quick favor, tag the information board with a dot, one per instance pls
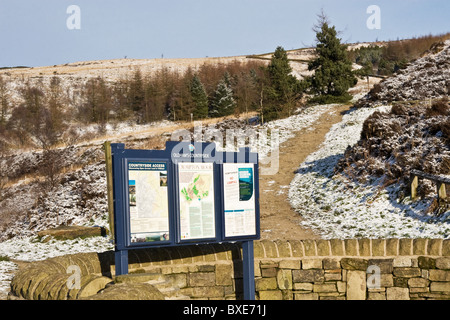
(187, 194)
(196, 200)
(148, 201)
(239, 199)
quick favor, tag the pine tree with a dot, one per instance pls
(223, 103)
(283, 89)
(199, 98)
(333, 74)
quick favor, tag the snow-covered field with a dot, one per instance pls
(338, 208)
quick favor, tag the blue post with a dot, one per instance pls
(248, 266)
(121, 260)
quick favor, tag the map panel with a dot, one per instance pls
(196, 193)
(148, 200)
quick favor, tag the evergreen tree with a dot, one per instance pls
(223, 103)
(283, 89)
(199, 99)
(333, 69)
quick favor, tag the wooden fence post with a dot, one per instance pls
(442, 192)
(109, 186)
(414, 183)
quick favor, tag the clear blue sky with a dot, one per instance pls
(34, 32)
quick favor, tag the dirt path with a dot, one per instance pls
(278, 219)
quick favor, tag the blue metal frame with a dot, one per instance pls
(177, 152)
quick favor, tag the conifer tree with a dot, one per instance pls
(223, 103)
(332, 68)
(199, 98)
(283, 88)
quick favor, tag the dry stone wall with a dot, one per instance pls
(353, 269)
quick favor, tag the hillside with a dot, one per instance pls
(340, 189)
(357, 183)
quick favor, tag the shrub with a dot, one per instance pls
(438, 108)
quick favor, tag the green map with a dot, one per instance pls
(198, 188)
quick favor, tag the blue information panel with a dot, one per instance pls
(187, 193)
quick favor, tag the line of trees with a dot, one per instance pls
(213, 90)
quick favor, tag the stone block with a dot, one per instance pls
(405, 247)
(258, 249)
(434, 247)
(396, 293)
(303, 286)
(310, 248)
(418, 290)
(296, 248)
(289, 264)
(284, 249)
(324, 287)
(356, 285)
(266, 284)
(376, 296)
(446, 248)
(137, 277)
(73, 232)
(323, 247)
(270, 248)
(341, 286)
(402, 262)
(312, 264)
(284, 279)
(426, 262)
(418, 282)
(407, 272)
(204, 292)
(392, 247)
(333, 275)
(202, 279)
(351, 247)
(331, 263)
(378, 246)
(306, 296)
(354, 264)
(270, 295)
(268, 272)
(364, 247)
(337, 247)
(419, 246)
(401, 282)
(311, 275)
(385, 265)
(440, 287)
(443, 263)
(439, 275)
(224, 274)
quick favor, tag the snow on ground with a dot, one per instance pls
(272, 134)
(32, 249)
(338, 208)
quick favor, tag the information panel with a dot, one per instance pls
(239, 199)
(196, 200)
(148, 201)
